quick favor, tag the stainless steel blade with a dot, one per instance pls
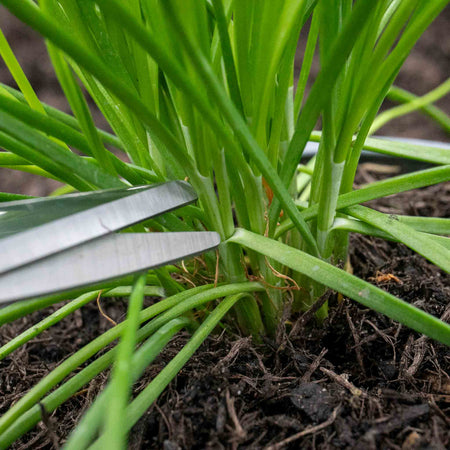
(64, 233)
(22, 215)
(104, 259)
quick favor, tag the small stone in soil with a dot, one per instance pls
(169, 445)
(313, 401)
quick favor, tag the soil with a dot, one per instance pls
(358, 381)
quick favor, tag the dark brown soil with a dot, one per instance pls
(361, 381)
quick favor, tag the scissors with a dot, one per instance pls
(59, 244)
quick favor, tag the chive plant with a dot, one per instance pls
(204, 90)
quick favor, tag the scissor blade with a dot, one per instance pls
(21, 215)
(67, 232)
(112, 257)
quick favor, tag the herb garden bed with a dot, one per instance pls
(389, 385)
(343, 377)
